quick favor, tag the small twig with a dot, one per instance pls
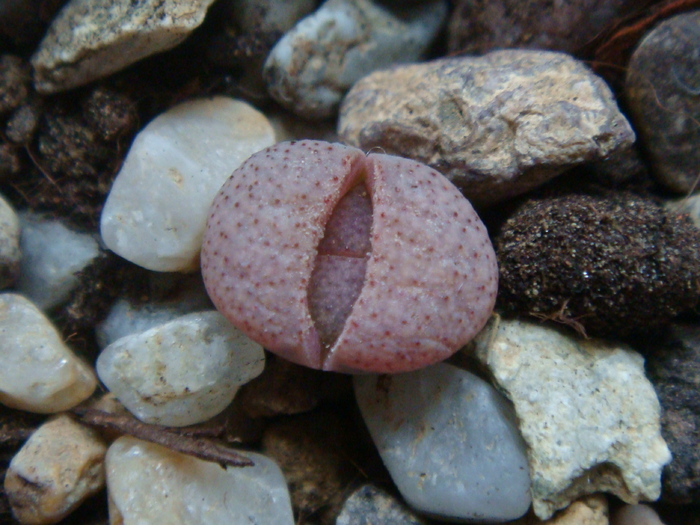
(201, 448)
(560, 317)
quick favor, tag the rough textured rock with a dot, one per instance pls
(662, 93)
(52, 256)
(497, 125)
(450, 442)
(612, 264)
(370, 504)
(589, 416)
(14, 82)
(38, 372)
(479, 26)
(674, 369)
(182, 372)
(90, 39)
(286, 233)
(588, 510)
(60, 466)
(9, 244)
(178, 163)
(148, 483)
(313, 65)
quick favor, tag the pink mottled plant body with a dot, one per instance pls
(348, 262)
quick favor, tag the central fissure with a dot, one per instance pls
(339, 269)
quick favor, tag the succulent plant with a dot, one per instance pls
(349, 262)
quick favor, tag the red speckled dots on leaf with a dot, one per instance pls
(346, 262)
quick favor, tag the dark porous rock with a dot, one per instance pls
(478, 26)
(663, 93)
(610, 265)
(674, 370)
(369, 505)
(319, 455)
(109, 113)
(496, 125)
(24, 122)
(284, 388)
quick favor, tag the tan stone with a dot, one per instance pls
(496, 125)
(60, 465)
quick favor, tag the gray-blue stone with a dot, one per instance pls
(450, 442)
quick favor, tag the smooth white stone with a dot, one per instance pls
(589, 415)
(60, 466)
(52, 254)
(156, 211)
(90, 39)
(125, 318)
(150, 484)
(449, 441)
(635, 515)
(183, 372)
(38, 372)
(313, 65)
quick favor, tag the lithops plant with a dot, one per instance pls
(349, 262)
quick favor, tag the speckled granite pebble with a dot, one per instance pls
(369, 505)
(9, 244)
(450, 442)
(182, 372)
(662, 90)
(309, 70)
(496, 125)
(60, 466)
(148, 483)
(90, 39)
(38, 372)
(590, 417)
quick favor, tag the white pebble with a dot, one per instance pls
(60, 465)
(156, 211)
(183, 372)
(38, 372)
(148, 483)
(52, 254)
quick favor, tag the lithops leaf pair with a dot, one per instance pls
(349, 262)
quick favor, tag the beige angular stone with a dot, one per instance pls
(9, 244)
(38, 372)
(496, 125)
(90, 39)
(588, 414)
(60, 465)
